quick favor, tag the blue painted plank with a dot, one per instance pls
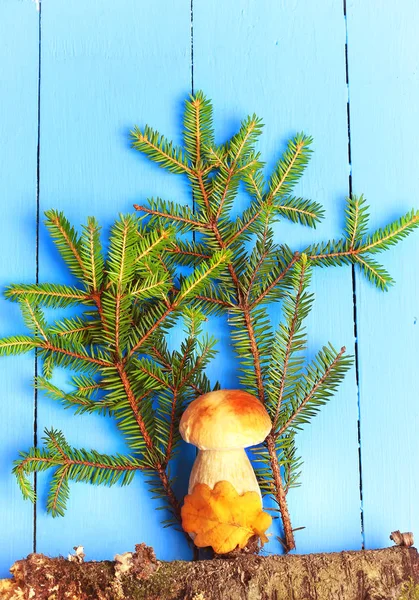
(18, 132)
(384, 87)
(99, 77)
(286, 62)
(106, 67)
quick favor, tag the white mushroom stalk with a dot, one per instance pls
(212, 466)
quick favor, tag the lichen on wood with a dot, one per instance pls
(366, 575)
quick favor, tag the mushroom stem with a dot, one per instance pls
(212, 466)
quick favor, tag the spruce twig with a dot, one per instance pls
(129, 299)
(268, 273)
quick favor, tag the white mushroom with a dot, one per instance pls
(221, 424)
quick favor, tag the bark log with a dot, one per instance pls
(364, 575)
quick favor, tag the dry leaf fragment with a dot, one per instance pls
(223, 519)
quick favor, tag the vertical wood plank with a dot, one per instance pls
(105, 67)
(286, 62)
(18, 132)
(384, 87)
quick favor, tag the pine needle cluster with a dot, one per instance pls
(259, 271)
(117, 353)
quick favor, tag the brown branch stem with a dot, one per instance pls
(169, 447)
(174, 503)
(134, 406)
(96, 361)
(152, 329)
(86, 463)
(280, 495)
(197, 104)
(176, 250)
(155, 377)
(243, 229)
(161, 358)
(204, 193)
(157, 213)
(160, 469)
(277, 280)
(96, 296)
(215, 301)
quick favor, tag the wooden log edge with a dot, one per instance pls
(387, 574)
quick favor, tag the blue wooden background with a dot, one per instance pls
(76, 76)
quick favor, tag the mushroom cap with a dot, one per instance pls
(225, 419)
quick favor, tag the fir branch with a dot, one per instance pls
(18, 344)
(33, 318)
(150, 244)
(151, 371)
(255, 353)
(186, 253)
(133, 404)
(211, 300)
(198, 131)
(87, 386)
(357, 246)
(356, 222)
(80, 402)
(179, 215)
(152, 286)
(269, 273)
(67, 242)
(322, 379)
(197, 282)
(300, 210)
(76, 329)
(375, 272)
(70, 465)
(74, 359)
(47, 294)
(161, 151)
(382, 239)
(275, 281)
(240, 148)
(91, 254)
(285, 345)
(150, 331)
(132, 301)
(290, 167)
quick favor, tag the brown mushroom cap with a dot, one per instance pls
(225, 419)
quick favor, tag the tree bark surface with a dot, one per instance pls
(363, 575)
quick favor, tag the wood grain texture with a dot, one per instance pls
(286, 62)
(18, 133)
(384, 87)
